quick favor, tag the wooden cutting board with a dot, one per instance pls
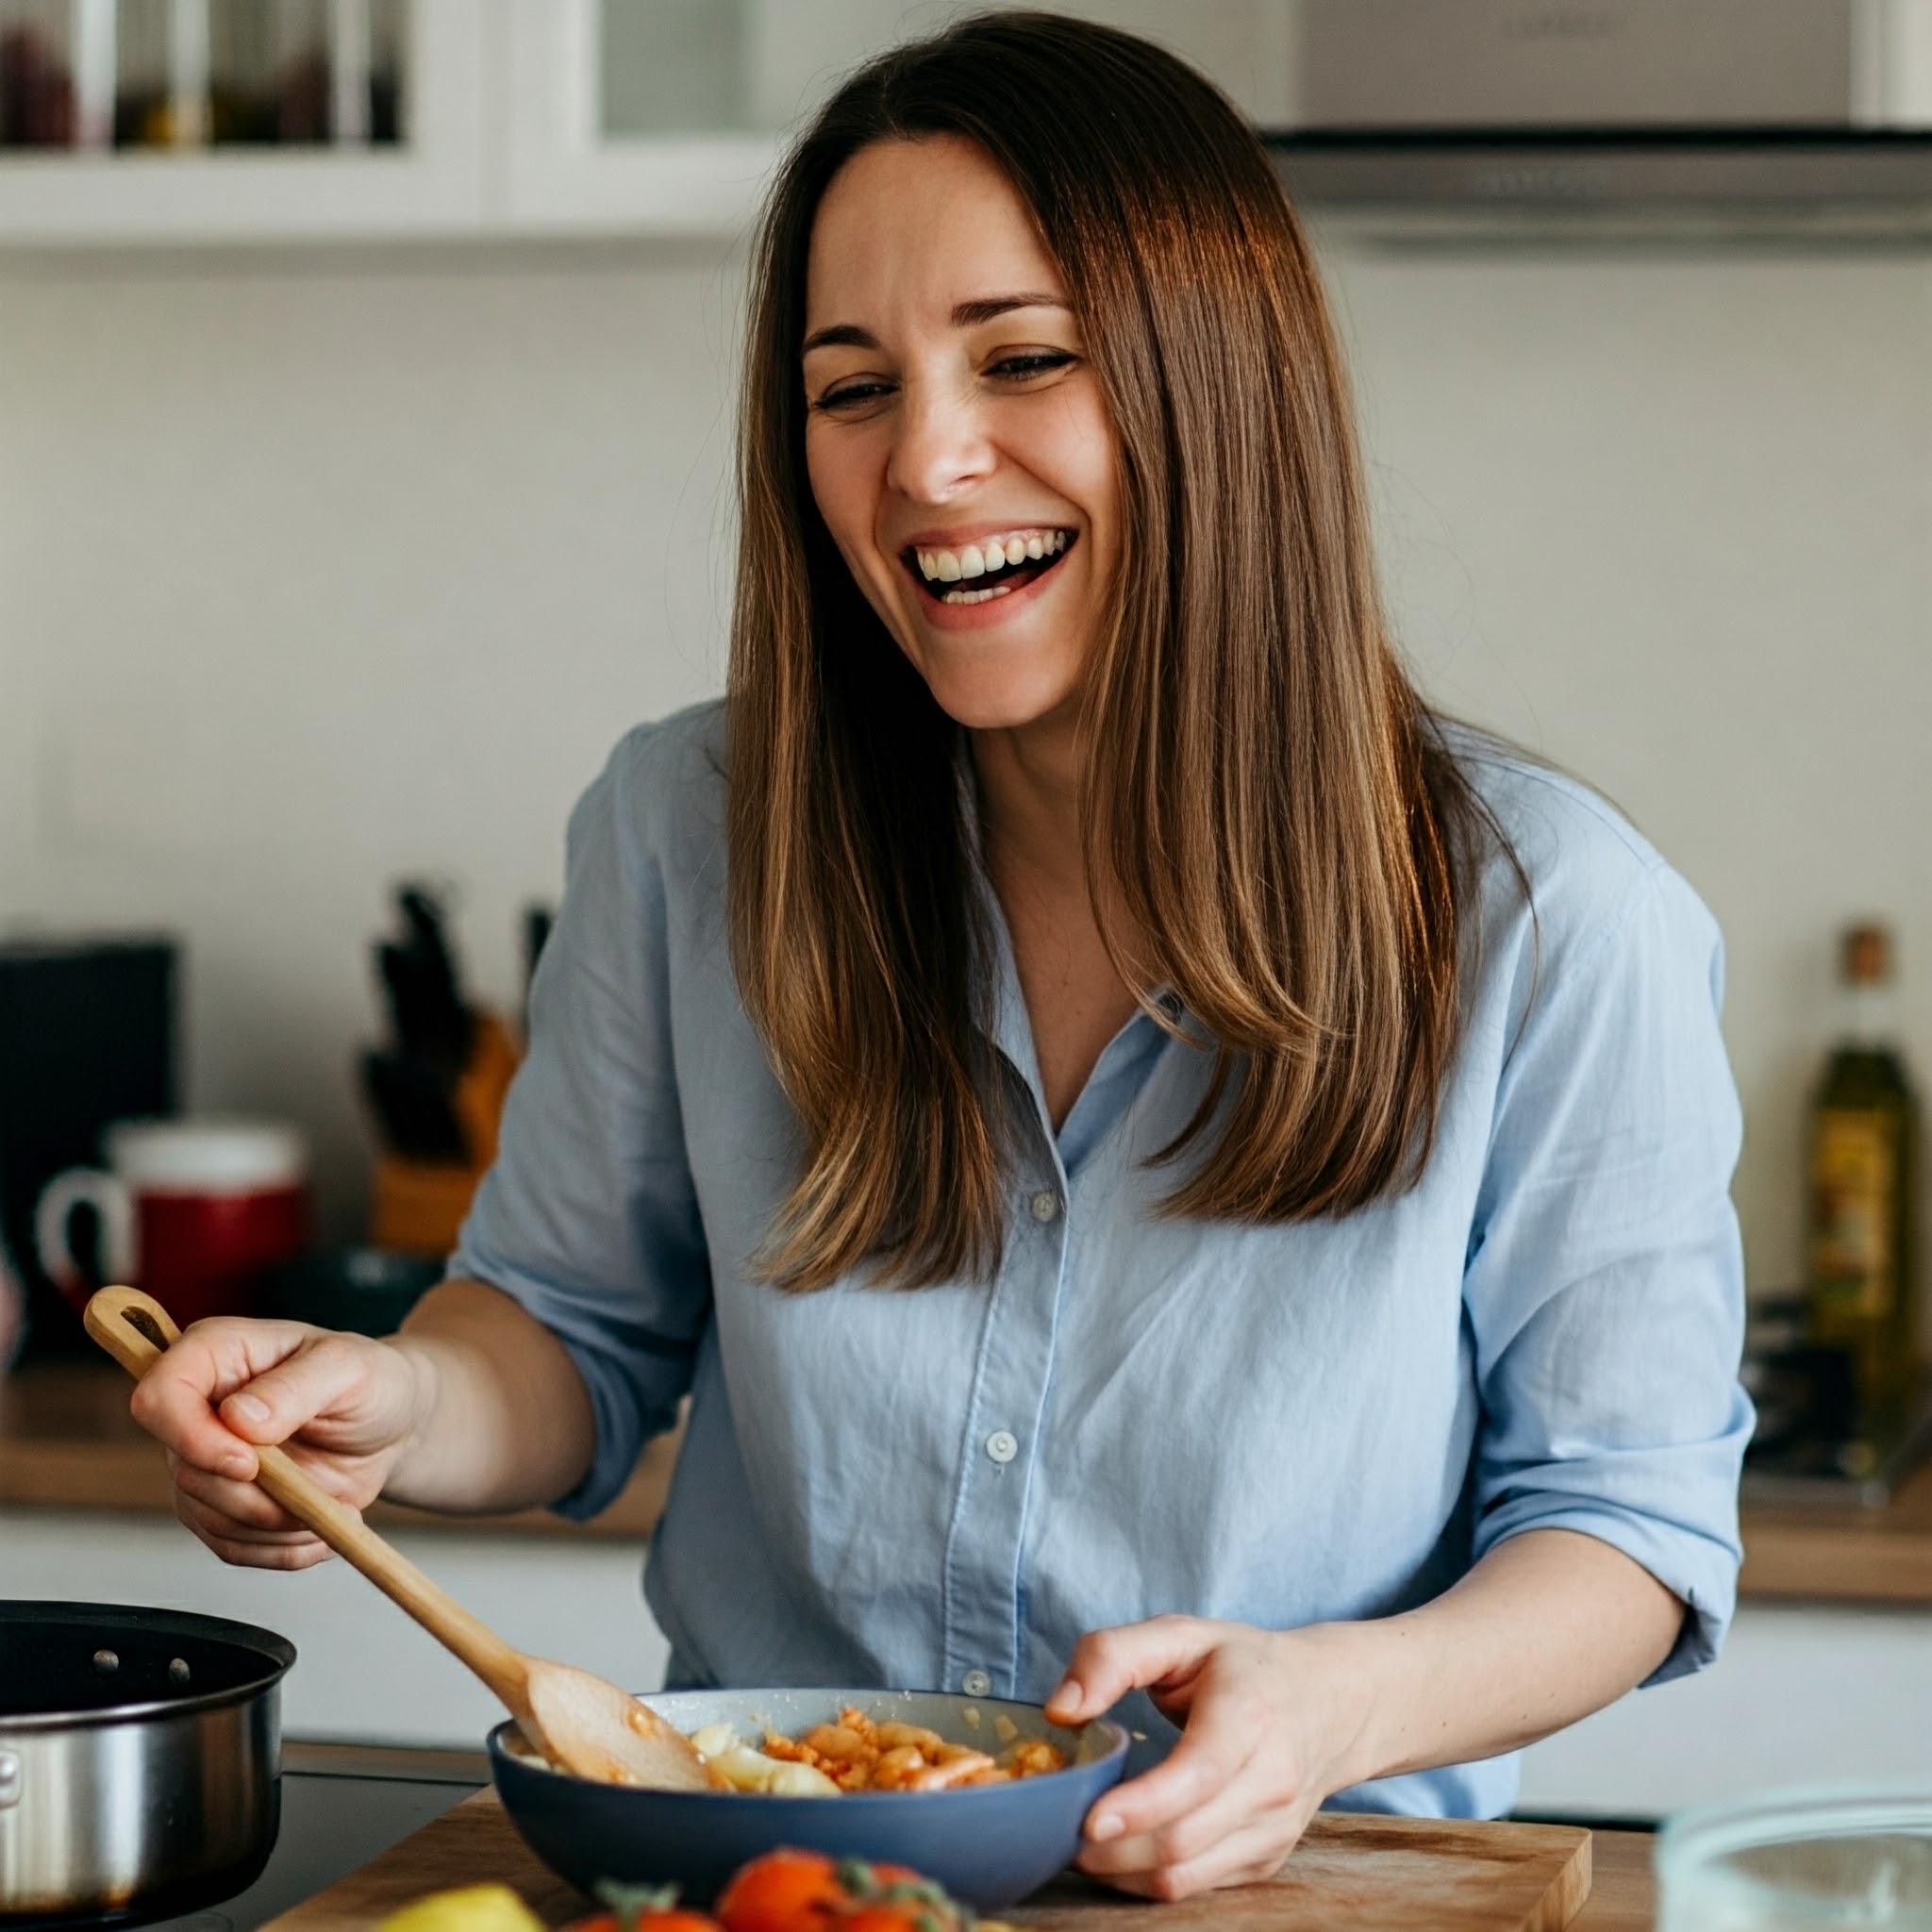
(1367, 1875)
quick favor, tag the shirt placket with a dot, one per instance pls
(984, 1587)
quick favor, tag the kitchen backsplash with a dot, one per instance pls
(322, 570)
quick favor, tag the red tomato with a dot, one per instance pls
(900, 1915)
(805, 1892)
(783, 1891)
(889, 1898)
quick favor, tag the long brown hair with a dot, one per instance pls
(1266, 791)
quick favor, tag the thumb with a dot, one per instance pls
(282, 1400)
(1107, 1664)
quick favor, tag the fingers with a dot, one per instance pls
(298, 1551)
(240, 1524)
(1177, 1842)
(326, 1376)
(1230, 1801)
(229, 1387)
(1247, 1857)
(1107, 1664)
(1197, 1789)
(175, 1400)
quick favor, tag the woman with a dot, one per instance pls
(1167, 1173)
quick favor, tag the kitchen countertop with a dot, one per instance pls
(66, 1441)
(346, 1852)
(1415, 1889)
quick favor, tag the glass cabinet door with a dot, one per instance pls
(671, 67)
(100, 75)
(212, 120)
(666, 114)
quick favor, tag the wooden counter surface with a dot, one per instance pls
(1369, 1875)
(1845, 1556)
(66, 1441)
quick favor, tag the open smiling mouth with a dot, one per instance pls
(993, 567)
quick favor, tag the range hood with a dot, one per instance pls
(1783, 116)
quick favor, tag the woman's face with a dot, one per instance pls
(958, 446)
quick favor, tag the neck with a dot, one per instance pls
(1029, 790)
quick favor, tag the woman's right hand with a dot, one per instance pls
(342, 1406)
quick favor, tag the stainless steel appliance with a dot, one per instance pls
(1806, 113)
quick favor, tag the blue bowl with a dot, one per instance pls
(988, 1845)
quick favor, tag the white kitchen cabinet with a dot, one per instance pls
(667, 115)
(532, 118)
(1803, 1693)
(622, 116)
(434, 182)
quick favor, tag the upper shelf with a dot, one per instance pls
(169, 146)
(192, 122)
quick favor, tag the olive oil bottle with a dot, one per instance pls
(1862, 1233)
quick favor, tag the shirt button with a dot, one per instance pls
(976, 1684)
(1046, 1206)
(1002, 1445)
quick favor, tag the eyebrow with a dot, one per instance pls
(848, 335)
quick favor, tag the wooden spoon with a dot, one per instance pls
(577, 1721)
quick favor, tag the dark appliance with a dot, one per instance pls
(88, 1035)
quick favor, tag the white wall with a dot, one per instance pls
(1666, 517)
(317, 569)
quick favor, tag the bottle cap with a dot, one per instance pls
(1865, 954)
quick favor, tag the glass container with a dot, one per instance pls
(1798, 1861)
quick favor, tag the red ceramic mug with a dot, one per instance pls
(192, 1212)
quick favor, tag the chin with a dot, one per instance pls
(998, 704)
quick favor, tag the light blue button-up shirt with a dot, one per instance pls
(1276, 1424)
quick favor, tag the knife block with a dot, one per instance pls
(417, 1205)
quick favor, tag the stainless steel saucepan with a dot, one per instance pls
(138, 1756)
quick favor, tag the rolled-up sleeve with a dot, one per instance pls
(589, 1217)
(1605, 1280)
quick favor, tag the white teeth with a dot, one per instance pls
(993, 553)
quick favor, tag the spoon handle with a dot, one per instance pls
(137, 1331)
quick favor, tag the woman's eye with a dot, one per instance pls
(852, 396)
(1034, 362)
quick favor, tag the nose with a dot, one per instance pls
(941, 446)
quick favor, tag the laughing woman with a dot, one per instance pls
(1169, 1172)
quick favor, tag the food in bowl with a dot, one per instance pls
(986, 1845)
(860, 1754)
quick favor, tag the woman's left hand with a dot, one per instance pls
(1271, 1724)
